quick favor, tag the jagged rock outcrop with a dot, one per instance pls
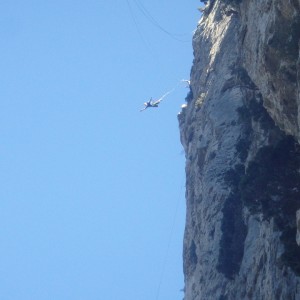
(240, 129)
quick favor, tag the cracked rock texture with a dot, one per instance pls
(240, 132)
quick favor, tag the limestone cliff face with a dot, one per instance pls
(240, 129)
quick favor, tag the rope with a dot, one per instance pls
(166, 94)
(172, 90)
(168, 246)
(155, 23)
(152, 20)
(148, 46)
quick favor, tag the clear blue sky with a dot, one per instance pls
(89, 185)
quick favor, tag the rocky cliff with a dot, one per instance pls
(240, 129)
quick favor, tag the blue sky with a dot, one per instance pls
(92, 191)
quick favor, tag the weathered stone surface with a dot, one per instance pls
(242, 167)
(298, 227)
(271, 31)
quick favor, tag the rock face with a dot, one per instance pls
(240, 132)
(298, 227)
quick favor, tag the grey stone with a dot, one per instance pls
(242, 166)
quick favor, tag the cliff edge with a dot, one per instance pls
(240, 130)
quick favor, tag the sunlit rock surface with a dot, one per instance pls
(239, 131)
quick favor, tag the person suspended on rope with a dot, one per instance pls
(150, 103)
(155, 103)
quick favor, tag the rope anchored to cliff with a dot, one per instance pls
(169, 244)
(152, 20)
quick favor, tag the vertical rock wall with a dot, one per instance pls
(239, 131)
